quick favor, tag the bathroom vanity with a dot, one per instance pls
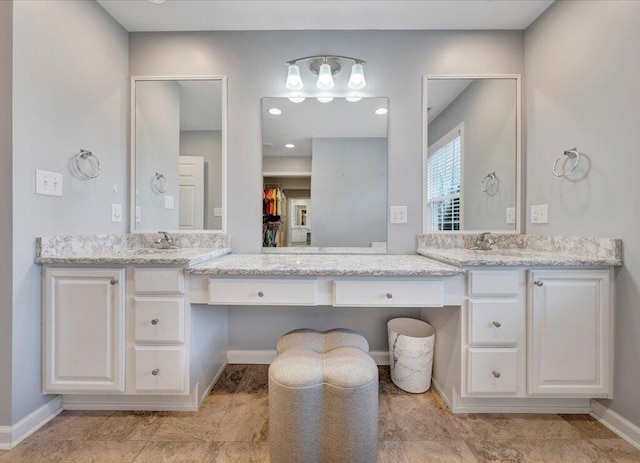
(518, 329)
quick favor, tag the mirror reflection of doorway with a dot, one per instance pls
(300, 220)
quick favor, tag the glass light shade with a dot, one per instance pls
(325, 99)
(294, 81)
(325, 79)
(296, 99)
(357, 80)
(353, 99)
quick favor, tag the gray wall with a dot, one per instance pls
(243, 56)
(6, 233)
(208, 144)
(582, 90)
(157, 151)
(348, 191)
(488, 109)
(281, 164)
(71, 90)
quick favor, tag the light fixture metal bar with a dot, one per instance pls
(325, 57)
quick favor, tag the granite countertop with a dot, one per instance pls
(139, 256)
(461, 257)
(324, 265)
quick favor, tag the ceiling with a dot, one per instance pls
(224, 15)
(441, 94)
(300, 122)
(200, 104)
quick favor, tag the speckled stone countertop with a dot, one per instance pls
(140, 256)
(511, 257)
(521, 250)
(132, 248)
(324, 265)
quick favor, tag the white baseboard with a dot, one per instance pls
(178, 403)
(617, 423)
(265, 357)
(213, 382)
(10, 436)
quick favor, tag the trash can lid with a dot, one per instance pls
(411, 327)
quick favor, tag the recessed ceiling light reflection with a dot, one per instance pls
(290, 145)
(381, 111)
(353, 99)
(325, 99)
(296, 99)
(275, 111)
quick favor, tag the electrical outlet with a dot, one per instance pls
(511, 215)
(217, 212)
(116, 212)
(168, 202)
(540, 213)
(397, 214)
(48, 183)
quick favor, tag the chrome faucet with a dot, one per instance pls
(165, 241)
(483, 242)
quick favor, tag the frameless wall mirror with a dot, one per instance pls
(471, 153)
(178, 153)
(324, 167)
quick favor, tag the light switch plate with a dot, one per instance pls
(540, 213)
(217, 212)
(48, 183)
(116, 212)
(168, 202)
(511, 215)
(397, 214)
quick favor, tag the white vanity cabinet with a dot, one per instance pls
(570, 323)
(83, 330)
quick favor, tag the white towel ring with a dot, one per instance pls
(93, 159)
(159, 183)
(570, 154)
(488, 182)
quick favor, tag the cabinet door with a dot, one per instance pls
(570, 339)
(83, 335)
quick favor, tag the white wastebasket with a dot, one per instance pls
(411, 345)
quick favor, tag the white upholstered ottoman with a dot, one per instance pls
(323, 399)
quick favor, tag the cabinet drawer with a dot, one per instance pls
(159, 320)
(158, 280)
(493, 321)
(491, 371)
(261, 292)
(493, 282)
(160, 369)
(426, 293)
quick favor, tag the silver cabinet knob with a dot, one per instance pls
(154, 321)
(496, 373)
(260, 294)
(389, 296)
(497, 324)
(538, 283)
(155, 372)
(113, 282)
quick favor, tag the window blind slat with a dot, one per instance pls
(443, 186)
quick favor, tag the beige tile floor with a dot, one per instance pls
(232, 427)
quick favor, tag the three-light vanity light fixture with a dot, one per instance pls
(325, 67)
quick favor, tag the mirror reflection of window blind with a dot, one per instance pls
(443, 182)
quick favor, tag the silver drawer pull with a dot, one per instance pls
(113, 282)
(538, 283)
(497, 324)
(154, 321)
(389, 296)
(496, 373)
(260, 294)
(155, 372)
